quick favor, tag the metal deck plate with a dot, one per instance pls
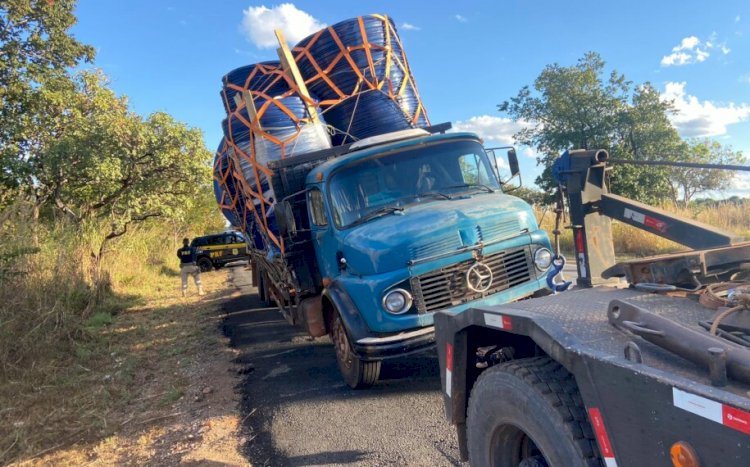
(583, 314)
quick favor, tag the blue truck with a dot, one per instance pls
(380, 234)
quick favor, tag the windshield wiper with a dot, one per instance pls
(377, 213)
(434, 194)
(474, 185)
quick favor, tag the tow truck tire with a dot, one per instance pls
(529, 412)
(357, 374)
(205, 264)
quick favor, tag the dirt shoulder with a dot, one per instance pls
(163, 394)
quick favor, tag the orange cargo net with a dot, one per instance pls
(368, 78)
(251, 172)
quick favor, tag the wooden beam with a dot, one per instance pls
(290, 67)
(250, 106)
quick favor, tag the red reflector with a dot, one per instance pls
(507, 323)
(601, 433)
(449, 357)
(655, 224)
(579, 241)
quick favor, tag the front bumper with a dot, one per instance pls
(395, 345)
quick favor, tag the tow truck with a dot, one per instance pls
(644, 363)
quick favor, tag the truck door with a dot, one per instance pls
(322, 237)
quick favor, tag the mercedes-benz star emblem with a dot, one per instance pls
(479, 277)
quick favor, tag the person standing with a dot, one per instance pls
(188, 267)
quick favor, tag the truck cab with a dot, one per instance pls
(402, 226)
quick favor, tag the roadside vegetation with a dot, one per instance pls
(586, 106)
(94, 202)
(78, 355)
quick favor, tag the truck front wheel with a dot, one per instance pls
(529, 413)
(356, 373)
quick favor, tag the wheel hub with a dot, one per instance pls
(342, 344)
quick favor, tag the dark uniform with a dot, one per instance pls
(188, 267)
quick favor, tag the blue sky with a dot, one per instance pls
(466, 56)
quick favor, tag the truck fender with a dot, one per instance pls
(353, 322)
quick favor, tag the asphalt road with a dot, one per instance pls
(298, 411)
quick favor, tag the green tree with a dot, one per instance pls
(36, 48)
(686, 182)
(530, 195)
(579, 107)
(109, 166)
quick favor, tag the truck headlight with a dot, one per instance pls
(542, 259)
(397, 301)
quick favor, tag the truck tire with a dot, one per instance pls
(356, 373)
(262, 290)
(205, 264)
(529, 412)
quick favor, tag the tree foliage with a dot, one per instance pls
(36, 49)
(579, 107)
(686, 182)
(70, 147)
(107, 164)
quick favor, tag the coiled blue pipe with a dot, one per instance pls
(241, 77)
(370, 113)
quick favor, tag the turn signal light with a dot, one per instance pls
(683, 455)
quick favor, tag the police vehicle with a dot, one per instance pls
(214, 251)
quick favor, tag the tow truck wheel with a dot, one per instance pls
(356, 373)
(529, 413)
(205, 264)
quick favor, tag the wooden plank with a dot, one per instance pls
(250, 106)
(290, 67)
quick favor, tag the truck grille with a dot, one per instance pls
(447, 287)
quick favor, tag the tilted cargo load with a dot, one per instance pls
(267, 120)
(354, 82)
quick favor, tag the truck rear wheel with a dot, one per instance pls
(265, 300)
(529, 413)
(356, 373)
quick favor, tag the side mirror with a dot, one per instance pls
(513, 162)
(285, 219)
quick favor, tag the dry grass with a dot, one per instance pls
(127, 375)
(631, 242)
(73, 368)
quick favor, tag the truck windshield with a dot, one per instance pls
(372, 187)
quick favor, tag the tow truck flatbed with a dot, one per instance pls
(638, 376)
(655, 400)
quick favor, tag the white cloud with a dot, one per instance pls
(696, 118)
(496, 129)
(259, 22)
(737, 19)
(693, 50)
(410, 27)
(676, 59)
(687, 43)
(741, 182)
(461, 19)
